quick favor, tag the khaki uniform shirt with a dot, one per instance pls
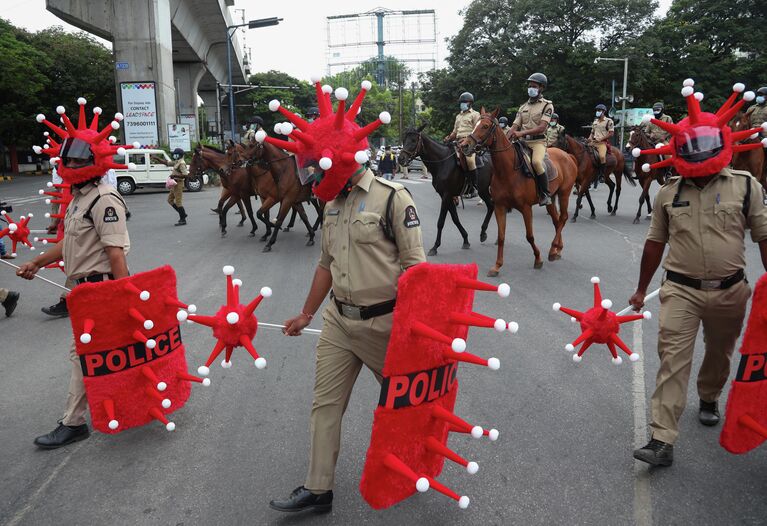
(364, 264)
(533, 112)
(600, 128)
(656, 133)
(757, 115)
(553, 133)
(179, 169)
(465, 123)
(705, 231)
(85, 238)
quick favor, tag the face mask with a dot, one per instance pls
(657, 113)
(598, 114)
(464, 106)
(532, 92)
(553, 123)
(502, 125)
(310, 120)
(760, 100)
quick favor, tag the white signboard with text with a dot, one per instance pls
(179, 136)
(139, 105)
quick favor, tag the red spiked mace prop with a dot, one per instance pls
(699, 127)
(16, 231)
(414, 417)
(61, 195)
(600, 325)
(234, 325)
(334, 140)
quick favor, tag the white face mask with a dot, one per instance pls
(598, 114)
(464, 106)
(760, 100)
(532, 92)
(502, 125)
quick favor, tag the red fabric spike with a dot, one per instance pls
(285, 145)
(60, 132)
(396, 465)
(693, 109)
(727, 116)
(744, 134)
(611, 347)
(423, 330)
(662, 164)
(465, 357)
(667, 126)
(217, 349)
(153, 393)
(438, 448)
(351, 114)
(471, 319)
(71, 129)
(82, 124)
(367, 130)
(305, 138)
(109, 409)
(295, 119)
(443, 414)
(747, 146)
(156, 413)
(150, 375)
(322, 102)
(106, 132)
(434, 484)
(250, 307)
(340, 114)
(665, 150)
(728, 103)
(183, 375)
(94, 122)
(620, 343)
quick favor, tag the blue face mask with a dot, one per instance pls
(760, 100)
(532, 92)
(464, 106)
(598, 114)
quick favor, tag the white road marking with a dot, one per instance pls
(642, 490)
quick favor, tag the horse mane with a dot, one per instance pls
(217, 150)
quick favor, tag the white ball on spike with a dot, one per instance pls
(494, 363)
(60, 110)
(660, 145)
(463, 502)
(166, 403)
(151, 344)
(136, 144)
(513, 327)
(260, 363)
(114, 424)
(97, 110)
(749, 96)
(260, 136)
(688, 82)
(477, 432)
(577, 359)
(228, 270)
(361, 157)
(144, 295)
(493, 435)
(698, 96)
(131, 166)
(327, 89)
(556, 306)
(687, 91)
(595, 280)
(499, 325)
(206, 382)
(607, 304)
(225, 364)
(617, 360)
(266, 292)
(115, 125)
(203, 370)
(504, 290)
(148, 325)
(170, 426)
(738, 87)
(646, 118)
(40, 117)
(647, 315)
(237, 282)
(81, 101)
(119, 116)
(569, 347)
(287, 128)
(192, 308)
(162, 386)
(366, 85)
(646, 167)
(458, 345)
(182, 315)
(634, 357)
(85, 338)
(472, 468)
(422, 485)
(232, 318)
(274, 105)
(342, 93)
(636, 152)
(384, 117)
(326, 163)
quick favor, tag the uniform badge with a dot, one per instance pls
(411, 217)
(110, 215)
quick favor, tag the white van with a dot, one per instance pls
(148, 172)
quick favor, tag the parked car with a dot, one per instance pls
(148, 173)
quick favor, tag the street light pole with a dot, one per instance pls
(624, 97)
(261, 22)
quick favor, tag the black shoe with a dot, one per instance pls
(58, 310)
(10, 303)
(303, 499)
(656, 453)
(709, 413)
(181, 222)
(62, 436)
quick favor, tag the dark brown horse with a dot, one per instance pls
(588, 169)
(512, 190)
(751, 160)
(639, 139)
(209, 159)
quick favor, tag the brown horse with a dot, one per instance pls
(287, 190)
(512, 190)
(587, 172)
(639, 139)
(209, 159)
(751, 160)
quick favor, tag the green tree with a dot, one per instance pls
(296, 95)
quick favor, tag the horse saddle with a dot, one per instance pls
(610, 159)
(525, 153)
(460, 158)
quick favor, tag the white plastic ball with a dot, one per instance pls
(361, 157)
(422, 485)
(203, 370)
(97, 110)
(342, 93)
(228, 270)
(162, 386)
(327, 88)
(698, 96)
(493, 435)
(504, 290)
(366, 85)
(170, 426)
(477, 432)
(472, 468)
(646, 167)
(182, 315)
(659, 145)
(232, 318)
(13, 227)
(577, 359)
(634, 357)
(764, 126)
(287, 128)
(647, 315)
(764, 143)
(595, 280)
(37, 149)
(151, 344)
(513, 327)
(646, 118)
(607, 304)
(278, 128)
(85, 338)
(206, 382)
(260, 136)
(112, 139)
(494, 363)
(463, 502)
(237, 282)
(148, 325)
(120, 151)
(115, 125)
(166, 403)
(458, 345)
(113, 424)
(144, 295)
(499, 325)
(569, 347)
(617, 361)
(315, 78)
(40, 117)
(81, 101)
(738, 87)
(60, 110)
(556, 306)
(274, 105)
(260, 363)
(119, 116)
(266, 292)
(192, 308)
(49, 184)
(326, 163)
(749, 96)
(384, 117)
(136, 144)
(573, 319)
(688, 82)
(687, 91)
(225, 364)
(636, 152)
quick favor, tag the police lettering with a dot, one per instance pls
(115, 360)
(416, 388)
(752, 368)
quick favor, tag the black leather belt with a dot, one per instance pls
(534, 137)
(706, 284)
(95, 278)
(355, 312)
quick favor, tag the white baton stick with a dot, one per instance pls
(648, 297)
(276, 326)
(38, 276)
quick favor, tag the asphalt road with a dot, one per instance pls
(567, 430)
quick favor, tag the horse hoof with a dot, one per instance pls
(466, 245)
(310, 243)
(554, 257)
(574, 220)
(482, 237)
(636, 221)
(252, 234)
(593, 216)
(241, 224)
(492, 273)
(223, 234)
(538, 265)
(432, 252)
(267, 248)
(264, 237)
(613, 212)
(286, 229)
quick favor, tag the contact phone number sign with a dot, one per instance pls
(139, 103)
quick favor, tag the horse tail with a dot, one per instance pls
(627, 173)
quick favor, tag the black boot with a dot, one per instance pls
(544, 199)
(181, 216)
(58, 310)
(471, 187)
(709, 413)
(10, 303)
(303, 499)
(62, 436)
(656, 453)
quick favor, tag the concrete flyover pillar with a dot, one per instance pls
(212, 117)
(188, 76)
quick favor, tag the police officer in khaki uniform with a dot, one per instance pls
(179, 173)
(703, 220)
(365, 249)
(757, 114)
(554, 131)
(465, 122)
(530, 125)
(602, 130)
(94, 248)
(655, 132)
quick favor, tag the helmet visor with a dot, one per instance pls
(699, 144)
(76, 149)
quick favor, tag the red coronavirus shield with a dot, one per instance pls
(131, 352)
(745, 424)
(415, 411)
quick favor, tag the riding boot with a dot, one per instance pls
(471, 188)
(181, 216)
(599, 176)
(542, 180)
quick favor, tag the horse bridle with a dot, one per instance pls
(412, 155)
(483, 144)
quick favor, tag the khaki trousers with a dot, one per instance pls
(601, 147)
(344, 346)
(539, 153)
(176, 194)
(77, 404)
(682, 309)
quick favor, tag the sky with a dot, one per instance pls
(297, 45)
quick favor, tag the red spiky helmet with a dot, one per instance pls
(702, 143)
(334, 140)
(93, 148)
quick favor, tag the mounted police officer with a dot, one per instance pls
(757, 114)
(530, 124)
(312, 113)
(256, 124)
(465, 122)
(655, 133)
(602, 130)
(554, 131)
